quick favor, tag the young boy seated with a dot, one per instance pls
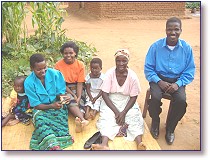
(20, 110)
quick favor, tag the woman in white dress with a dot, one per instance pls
(119, 108)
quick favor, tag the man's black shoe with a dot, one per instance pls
(155, 130)
(170, 136)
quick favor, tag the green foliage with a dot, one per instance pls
(13, 14)
(11, 69)
(86, 53)
(192, 5)
(48, 17)
(47, 40)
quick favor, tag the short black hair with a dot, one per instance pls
(19, 78)
(174, 19)
(36, 58)
(70, 44)
(96, 60)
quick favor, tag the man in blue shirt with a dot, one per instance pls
(169, 67)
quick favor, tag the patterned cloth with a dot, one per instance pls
(22, 110)
(51, 125)
(122, 52)
(73, 88)
(123, 131)
(50, 129)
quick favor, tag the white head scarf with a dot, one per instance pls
(122, 52)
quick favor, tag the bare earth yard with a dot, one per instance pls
(137, 35)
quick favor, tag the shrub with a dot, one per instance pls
(192, 5)
(47, 40)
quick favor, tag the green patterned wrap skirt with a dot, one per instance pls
(51, 129)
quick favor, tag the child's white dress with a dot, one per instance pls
(95, 88)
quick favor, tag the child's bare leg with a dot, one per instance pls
(79, 120)
(76, 112)
(139, 143)
(93, 114)
(103, 146)
(87, 113)
(7, 118)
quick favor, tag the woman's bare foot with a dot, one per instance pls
(80, 124)
(99, 147)
(84, 123)
(141, 146)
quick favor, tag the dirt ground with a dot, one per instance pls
(137, 35)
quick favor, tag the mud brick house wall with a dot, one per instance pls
(131, 10)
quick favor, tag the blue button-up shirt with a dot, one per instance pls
(177, 63)
(38, 94)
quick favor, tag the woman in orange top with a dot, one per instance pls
(73, 71)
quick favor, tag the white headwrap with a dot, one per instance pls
(122, 52)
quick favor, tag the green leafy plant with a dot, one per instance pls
(86, 53)
(47, 40)
(48, 17)
(192, 5)
(13, 14)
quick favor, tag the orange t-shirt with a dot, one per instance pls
(72, 73)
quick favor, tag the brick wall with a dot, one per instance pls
(132, 10)
(74, 6)
(93, 7)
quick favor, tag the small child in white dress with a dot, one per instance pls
(93, 82)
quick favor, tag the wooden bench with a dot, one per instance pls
(18, 137)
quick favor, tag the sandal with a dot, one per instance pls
(95, 139)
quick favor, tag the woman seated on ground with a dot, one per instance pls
(119, 111)
(73, 71)
(44, 88)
